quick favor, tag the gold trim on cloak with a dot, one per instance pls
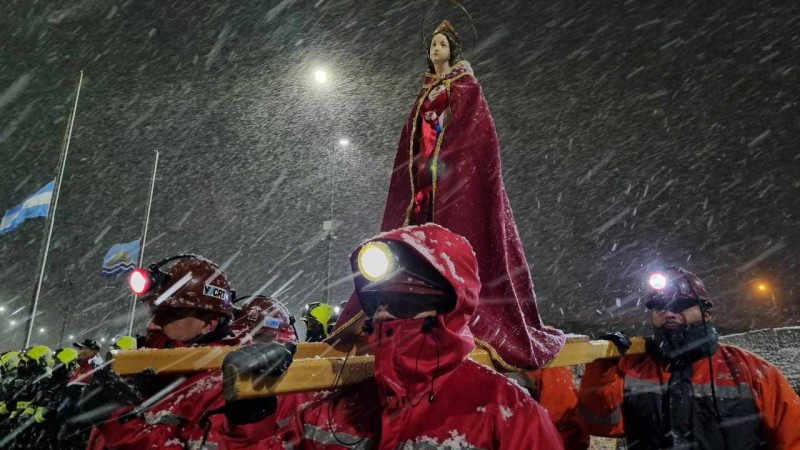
(434, 169)
(465, 70)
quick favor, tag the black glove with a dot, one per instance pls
(105, 393)
(622, 342)
(145, 382)
(250, 410)
(259, 359)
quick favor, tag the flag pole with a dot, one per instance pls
(51, 210)
(144, 238)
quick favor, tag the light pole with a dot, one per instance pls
(328, 224)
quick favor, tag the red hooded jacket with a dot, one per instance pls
(173, 422)
(470, 200)
(426, 393)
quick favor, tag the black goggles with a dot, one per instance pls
(404, 305)
(675, 306)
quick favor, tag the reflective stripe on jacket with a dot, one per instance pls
(757, 406)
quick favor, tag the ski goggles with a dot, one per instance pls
(675, 306)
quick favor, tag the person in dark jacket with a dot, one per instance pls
(688, 391)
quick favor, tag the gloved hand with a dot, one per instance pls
(619, 339)
(39, 415)
(271, 359)
(144, 382)
(105, 392)
(3, 408)
(259, 360)
(251, 410)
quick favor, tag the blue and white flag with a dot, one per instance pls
(36, 205)
(121, 258)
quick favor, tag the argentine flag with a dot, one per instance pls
(36, 205)
(121, 258)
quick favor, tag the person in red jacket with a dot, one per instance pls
(688, 390)
(266, 320)
(554, 388)
(190, 300)
(419, 288)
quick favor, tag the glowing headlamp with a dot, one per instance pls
(375, 261)
(140, 281)
(657, 281)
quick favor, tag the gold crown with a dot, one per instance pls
(444, 26)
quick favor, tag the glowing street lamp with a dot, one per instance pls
(344, 142)
(321, 76)
(763, 289)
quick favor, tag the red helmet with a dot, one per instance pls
(676, 283)
(191, 282)
(264, 316)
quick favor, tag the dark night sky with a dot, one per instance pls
(632, 134)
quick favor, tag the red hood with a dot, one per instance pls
(408, 358)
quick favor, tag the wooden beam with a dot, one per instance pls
(321, 373)
(317, 365)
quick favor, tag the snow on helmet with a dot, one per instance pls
(262, 315)
(673, 284)
(40, 354)
(124, 343)
(190, 282)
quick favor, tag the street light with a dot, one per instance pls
(321, 76)
(71, 336)
(763, 289)
(13, 322)
(41, 330)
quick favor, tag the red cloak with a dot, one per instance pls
(469, 199)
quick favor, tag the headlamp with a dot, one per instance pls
(140, 281)
(375, 261)
(657, 281)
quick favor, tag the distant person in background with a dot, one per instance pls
(88, 359)
(266, 320)
(317, 317)
(554, 388)
(687, 390)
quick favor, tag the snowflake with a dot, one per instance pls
(506, 412)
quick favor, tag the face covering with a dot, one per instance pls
(685, 344)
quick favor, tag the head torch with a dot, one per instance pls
(143, 280)
(672, 290)
(391, 276)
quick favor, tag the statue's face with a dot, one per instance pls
(439, 52)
